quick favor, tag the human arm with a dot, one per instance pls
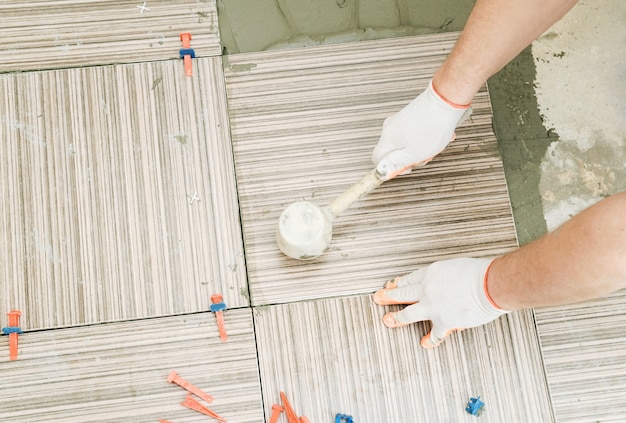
(495, 32)
(582, 259)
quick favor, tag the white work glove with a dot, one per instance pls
(451, 293)
(417, 133)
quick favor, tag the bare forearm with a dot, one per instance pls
(582, 259)
(496, 32)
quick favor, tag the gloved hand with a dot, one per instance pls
(450, 293)
(417, 133)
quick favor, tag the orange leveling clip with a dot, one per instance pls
(174, 378)
(192, 403)
(187, 53)
(13, 330)
(292, 417)
(276, 410)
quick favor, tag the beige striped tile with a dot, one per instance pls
(118, 372)
(119, 196)
(53, 34)
(584, 350)
(334, 356)
(304, 123)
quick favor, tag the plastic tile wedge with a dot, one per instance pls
(304, 123)
(53, 34)
(118, 194)
(118, 372)
(335, 356)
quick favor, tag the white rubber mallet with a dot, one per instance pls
(304, 229)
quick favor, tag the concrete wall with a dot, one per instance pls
(254, 25)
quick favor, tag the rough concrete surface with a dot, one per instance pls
(581, 80)
(254, 25)
(523, 142)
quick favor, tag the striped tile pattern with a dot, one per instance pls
(585, 359)
(335, 356)
(304, 123)
(118, 194)
(118, 372)
(53, 34)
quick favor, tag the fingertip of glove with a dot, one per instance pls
(427, 343)
(390, 321)
(392, 283)
(380, 297)
(384, 169)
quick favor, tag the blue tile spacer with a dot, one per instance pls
(217, 307)
(475, 406)
(187, 52)
(340, 417)
(12, 329)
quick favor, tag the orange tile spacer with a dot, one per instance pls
(174, 378)
(292, 417)
(13, 330)
(187, 53)
(218, 307)
(190, 402)
(185, 37)
(276, 411)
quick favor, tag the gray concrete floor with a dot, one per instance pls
(535, 98)
(580, 86)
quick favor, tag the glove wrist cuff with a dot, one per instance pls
(445, 100)
(486, 290)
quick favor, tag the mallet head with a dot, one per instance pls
(304, 230)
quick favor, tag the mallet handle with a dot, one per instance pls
(368, 183)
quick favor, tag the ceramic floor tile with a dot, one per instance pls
(53, 34)
(335, 356)
(118, 372)
(119, 195)
(585, 358)
(304, 123)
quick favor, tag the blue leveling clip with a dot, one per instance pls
(187, 52)
(9, 330)
(475, 406)
(215, 307)
(340, 417)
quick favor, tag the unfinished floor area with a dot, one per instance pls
(133, 192)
